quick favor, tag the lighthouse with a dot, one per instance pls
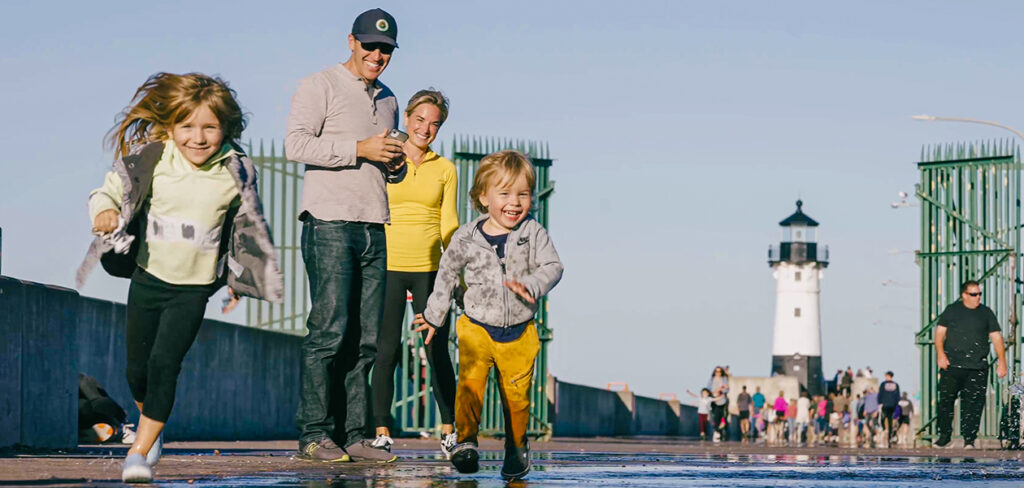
(798, 263)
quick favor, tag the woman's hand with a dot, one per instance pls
(230, 302)
(520, 289)
(106, 221)
(423, 326)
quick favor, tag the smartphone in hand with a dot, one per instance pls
(398, 135)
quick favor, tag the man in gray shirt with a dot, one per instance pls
(338, 127)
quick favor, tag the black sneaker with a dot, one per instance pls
(365, 450)
(465, 457)
(942, 442)
(517, 462)
(323, 450)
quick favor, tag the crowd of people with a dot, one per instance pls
(875, 417)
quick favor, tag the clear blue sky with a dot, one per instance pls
(683, 132)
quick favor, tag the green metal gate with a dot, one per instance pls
(414, 408)
(970, 229)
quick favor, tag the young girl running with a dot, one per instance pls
(180, 215)
(508, 263)
(423, 219)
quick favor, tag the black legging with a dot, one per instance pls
(389, 347)
(162, 322)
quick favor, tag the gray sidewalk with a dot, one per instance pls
(562, 462)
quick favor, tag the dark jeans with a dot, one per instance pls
(162, 322)
(389, 348)
(971, 385)
(345, 262)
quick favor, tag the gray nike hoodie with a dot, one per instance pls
(530, 258)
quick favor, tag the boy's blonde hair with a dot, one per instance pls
(431, 96)
(497, 170)
(166, 99)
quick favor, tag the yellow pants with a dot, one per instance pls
(515, 362)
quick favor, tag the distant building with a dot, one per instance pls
(798, 263)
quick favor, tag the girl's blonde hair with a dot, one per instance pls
(497, 170)
(431, 96)
(166, 99)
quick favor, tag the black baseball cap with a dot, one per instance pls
(376, 26)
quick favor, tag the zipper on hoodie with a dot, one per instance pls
(505, 290)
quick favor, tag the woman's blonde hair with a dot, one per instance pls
(431, 96)
(166, 99)
(497, 170)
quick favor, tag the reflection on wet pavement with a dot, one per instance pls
(424, 470)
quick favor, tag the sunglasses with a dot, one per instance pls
(974, 294)
(384, 48)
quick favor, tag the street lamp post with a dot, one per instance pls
(933, 118)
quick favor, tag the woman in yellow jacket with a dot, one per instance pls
(423, 219)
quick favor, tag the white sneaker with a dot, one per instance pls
(382, 442)
(127, 434)
(153, 456)
(136, 470)
(448, 442)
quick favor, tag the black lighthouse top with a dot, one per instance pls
(798, 243)
(799, 217)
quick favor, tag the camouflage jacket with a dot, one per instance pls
(248, 262)
(530, 258)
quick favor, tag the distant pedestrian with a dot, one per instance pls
(759, 403)
(179, 214)
(846, 382)
(871, 413)
(744, 404)
(703, 410)
(803, 417)
(719, 386)
(888, 398)
(962, 337)
(906, 413)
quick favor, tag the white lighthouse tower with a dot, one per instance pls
(798, 263)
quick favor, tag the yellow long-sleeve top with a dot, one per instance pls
(185, 213)
(423, 214)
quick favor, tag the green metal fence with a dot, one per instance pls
(970, 229)
(414, 408)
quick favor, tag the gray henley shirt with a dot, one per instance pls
(330, 112)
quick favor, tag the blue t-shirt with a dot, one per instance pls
(758, 400)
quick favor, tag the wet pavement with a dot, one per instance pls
(561, 463)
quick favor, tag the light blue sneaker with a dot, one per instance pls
(136, 470)
(156, 451)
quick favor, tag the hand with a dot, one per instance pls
(396, 164)
(943, 362)
(380, 148)
(423, 326)
(106, 221)
(1001, 369)
(230, 302)
(520, 289)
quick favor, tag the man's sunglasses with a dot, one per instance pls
(974, 294)
(383, 47)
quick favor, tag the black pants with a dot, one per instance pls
(389, 347)
(971, 386)
(162, 322)
(717, 415)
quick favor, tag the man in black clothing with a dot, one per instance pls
(961, 345)
(888, 398)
